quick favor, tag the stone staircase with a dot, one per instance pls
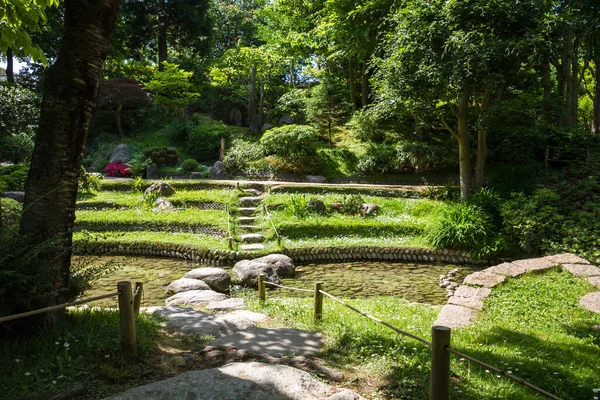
(248, 230)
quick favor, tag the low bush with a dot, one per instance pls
(138, 164)
(511, 178)
(13, 177)
(352, 204)
(189, 165)
(11, 213)
(291, 141)
(404, 157)
(162, 155)
(117, 169)
(205, 140)
(88, 183)
(179, 131)
(16, 148)
(241, 155)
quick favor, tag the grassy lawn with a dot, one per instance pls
(181, 198)
(200, 241)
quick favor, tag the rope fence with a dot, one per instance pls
(268, 214)
(129, 307)
(439, 344)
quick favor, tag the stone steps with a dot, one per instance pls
(250, 201)
(252, 238)
(247, 211)
(253, 192)
(252, 247)
(248, 227)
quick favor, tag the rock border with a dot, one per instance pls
(300, 256)
(466, 303)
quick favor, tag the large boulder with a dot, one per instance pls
(249, 270)
(316, 205)
(162, 188)
(218, 171)
(286, 120)
(237, 381)
(18, 196)
(185, 285)
(121, 153)
(283, 265)
(194, 298)
(217, 278)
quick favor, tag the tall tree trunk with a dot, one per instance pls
(464, 151)
(162, 45)
(365, 82)
(253, 123)
(70, 91)
(572, 99)
(596, 108)
(482, 138)
(10, 69)
(547, 86)
(352, 81)
(119, 126)
(292, 74)
(261, 104)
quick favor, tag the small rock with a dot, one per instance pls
(483, 278)
(184, 285)
(582, 270)
(152, 171)
(17, 196)
(316, 206)
(336, 207)
(163, 204)
(591, 301)
(194, 298)
(286, 120)
(218, 171)
(316, 179)
(266, 127)
(160, 187)
(217, 278)
(370, 209)
(226, 305)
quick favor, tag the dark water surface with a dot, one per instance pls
(414, 282)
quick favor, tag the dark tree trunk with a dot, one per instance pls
(482, 129)
(365, 83)
(572, 98)
(253, 120)
(10, 69)
(464, 151)
(261, 104)
(547, 86)
(162, 46)
(352, 81)
(70, 91)
(119, 125)
(596, 109)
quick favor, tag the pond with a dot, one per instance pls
(414, 282)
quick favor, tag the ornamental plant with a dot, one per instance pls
(117, 169)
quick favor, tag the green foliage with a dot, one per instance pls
(16, 148)
(189, 165)
(173, 89)
(13, 177)
(242, 155)
(297, 206)
(150, 199)
(448, 191)
(293, 141)
(159, 156)
(204, 141)
(138, 185)
(462, 226)
(179, 131)
(19, 110)
(352, 204)
(366, 126)
(137, 165)
(11, 213)
(403, 157)
(88, 183)
(511, 178)
(293, 104)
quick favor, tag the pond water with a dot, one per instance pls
(414, 282)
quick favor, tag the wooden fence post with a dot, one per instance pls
(230, 243)
(318, 301)
(222, 152)
(547, 156)
(262, 296)
(440, 364)
(128, 339)
(137, 298)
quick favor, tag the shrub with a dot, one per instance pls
(19, 110)
(379, 158)
(294, 141)
(366, 126)
(511, 178)
(205, 141)
(462, 226)
(179, 131)
(298, 206)
(241, 153)
(11, 213)
(16, 148)
(88, 183)
(189, 165)
(293, 104)
(352, 204)
(14, 177)
(117, 169)
(137, 165)
(448, 191)
(162, 155)
(138, 185)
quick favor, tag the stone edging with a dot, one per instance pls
(467, 301)
(298, 255)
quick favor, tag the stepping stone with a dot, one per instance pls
(582, 270)
(241, 381)
(195, 322)
(535, 264)
(248, 227)
(252, 247)
(217, 278)
(508, 269)
(194, 298)
(226, 305)
(470, 297)
(276, 342)
(454, 316)
(591, 301)
(252, 238)
(250, 201)
(483, 278)
(246, 220)
(595, 280)
(184, 285)
(253, 192)
(566, 258)
(247, 211)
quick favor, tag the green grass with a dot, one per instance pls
(531, 326)
(199, 241)
(181, 198)
(183, 184)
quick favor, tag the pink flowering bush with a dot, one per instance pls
(117, 169)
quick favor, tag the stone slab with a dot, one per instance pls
(217, 278)
(252, 238)
(240, 381)
(249, 201)
(188, 321)
(483, 278)
(582, 270)
(226, 305)
(566, 258)
(246, 220)
(247, 211)
(194, 298)
(454, 316)
(252, 247)
(595, 280)
(469, 297)
(277, 342)
(508, 269)
(591, 301)
(535, 264)
(253, 192)
(184, 285)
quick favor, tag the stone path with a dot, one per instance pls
(249, 207)
(240, 381)
(467, 301)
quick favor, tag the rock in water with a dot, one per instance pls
(184, 285)
(249, 270)
(162, 188)
(218, 171)
(121, 154)
(283, 265)
(217, 278)
(240, 381)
